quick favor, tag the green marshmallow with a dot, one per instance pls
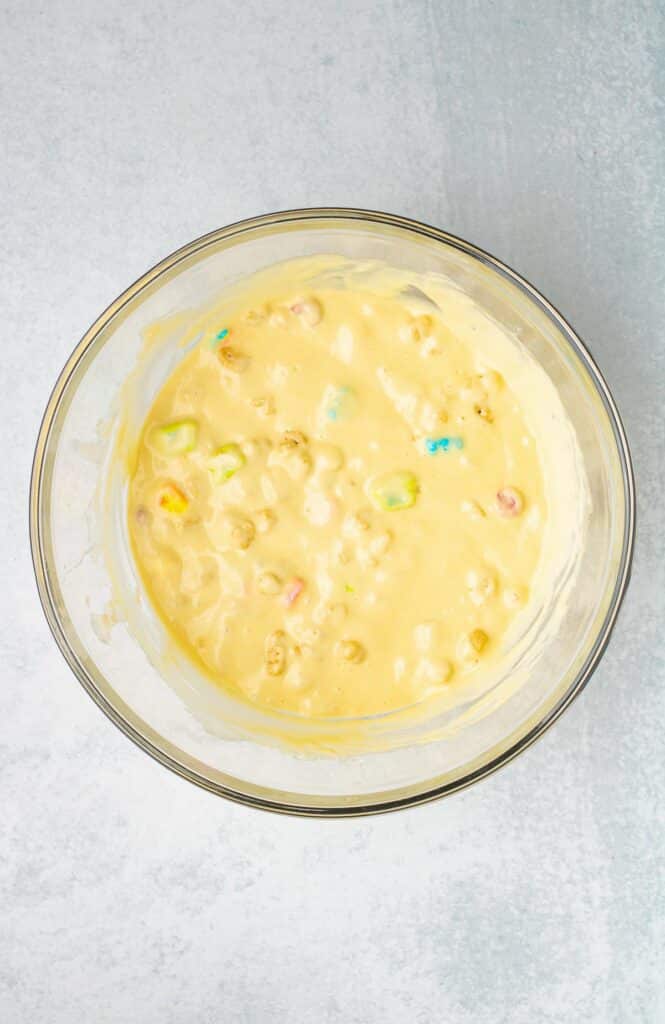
(176, 438)
(226, 461)
(393, 491)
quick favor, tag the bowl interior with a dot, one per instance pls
(183, 720)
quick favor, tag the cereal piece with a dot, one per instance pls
(328, 458)
(292, 439)
(427, 635)
(430, 347)
(265, 519)
(293, 590)
(226, 461)
(355, 524)
(268, 583)
(296, 463)
(275, 486)
(509, 501)
(491, 381)
(233, 359)
(371, 547)
(277, 318)
(417, 329)
(478, 639)
(242, 533)
(351, 651)
(274, 653)
(442, 444)
(292, 455)
(255, 316)
(379, 545)
(433, 673)
(256, 447)
(175, 438)
(265, 405)
(308, 311)
(320, 509)
(172, 500)
(481, 585)
(484, 412)
(392, 492)
(470, 392)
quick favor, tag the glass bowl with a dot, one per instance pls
(188, 724)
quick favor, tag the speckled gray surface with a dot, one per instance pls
(537, 131)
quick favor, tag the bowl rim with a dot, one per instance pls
(425, 792)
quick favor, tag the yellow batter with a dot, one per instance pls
(337, 502)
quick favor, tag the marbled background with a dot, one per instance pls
(534, 129)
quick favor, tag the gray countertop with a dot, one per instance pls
(535, 130)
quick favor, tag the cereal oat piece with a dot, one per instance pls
(265, 519)
(255, 316)
(274, 654)
(292, 455)
(355, 524)
(265, 405)
(491, 381)
(320, 509)
(481, 585)
(484, 412)
(433, 673)
(380, 544)
(233, 359)
(242, 533)
(417, 329)
(292, 439)
(478, 639)
(472, 644)
(328, 458)
(268, 583)
(427, 635)
(351, 650)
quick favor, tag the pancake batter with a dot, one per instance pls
(337, 502)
